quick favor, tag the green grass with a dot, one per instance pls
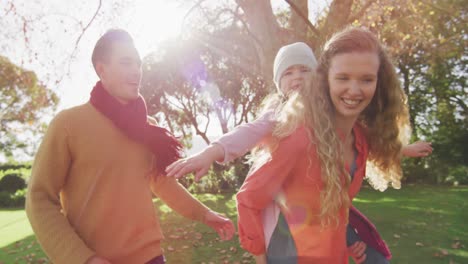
(421, 224)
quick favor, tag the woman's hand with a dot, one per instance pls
(356, 251)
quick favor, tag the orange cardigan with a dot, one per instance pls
(293, 176)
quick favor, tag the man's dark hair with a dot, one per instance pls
(104, 44)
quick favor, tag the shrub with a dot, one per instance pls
(12, 200)
(458, 175)
(11, 183)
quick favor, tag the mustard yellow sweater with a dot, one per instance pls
(90, 192)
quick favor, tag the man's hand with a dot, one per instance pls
(97, 260)
(222, 225)
(356, 251)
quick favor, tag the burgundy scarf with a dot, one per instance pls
(131, 119)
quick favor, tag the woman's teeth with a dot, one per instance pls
(351, 102)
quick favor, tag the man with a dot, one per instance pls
(89, 198)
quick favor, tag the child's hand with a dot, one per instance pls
(97, 260)
(199, 163)
(222, 225)
(417, 149)
(356, 251)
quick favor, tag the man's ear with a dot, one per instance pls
(100, 69)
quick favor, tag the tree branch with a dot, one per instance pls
(459, 102)
(87, 26)
(304, 18)
(191, 10)
(359, 13)
(77, 42)
(208, 121)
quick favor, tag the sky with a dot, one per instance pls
(149, 22)
(51, 37)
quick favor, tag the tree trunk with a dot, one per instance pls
(337, 18)
(296, 20)
(406, 84)
(263, 24)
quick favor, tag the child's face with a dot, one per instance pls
(121, 72)
(352, 78)
(295, 78)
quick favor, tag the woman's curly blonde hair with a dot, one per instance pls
(386, 118)
(314, 111)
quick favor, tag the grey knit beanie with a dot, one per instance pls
(297, 53)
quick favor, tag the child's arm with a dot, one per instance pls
(417, 149)
(169, 190)
(227, 148)
(246, 136)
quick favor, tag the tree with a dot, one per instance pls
(222, 68)
(24, 101)
(190, 82)
(231, 45)
(269, 31)
(428, 40)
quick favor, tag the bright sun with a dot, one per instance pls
(154, 21)
(148, 21)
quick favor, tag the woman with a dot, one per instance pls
(315, 155)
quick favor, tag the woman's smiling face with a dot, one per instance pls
(352, 79)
